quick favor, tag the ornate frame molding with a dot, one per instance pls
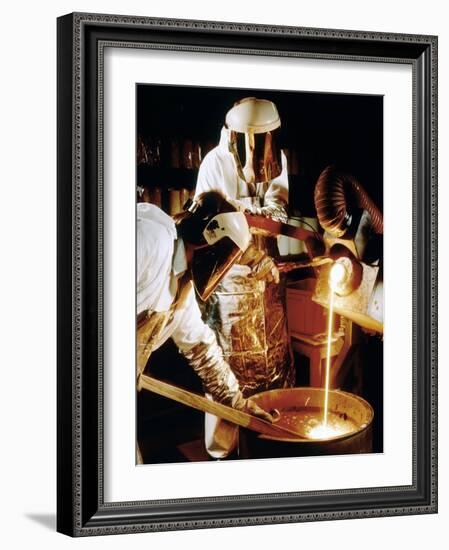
(81, 42)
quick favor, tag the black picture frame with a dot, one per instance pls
(81, 509)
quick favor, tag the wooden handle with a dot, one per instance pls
(276, 227)
(285, 267)
(218, 409)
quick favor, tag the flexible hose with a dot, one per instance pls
(333, 191)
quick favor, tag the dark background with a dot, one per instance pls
(341, 129)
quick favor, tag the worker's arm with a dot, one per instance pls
(211, 176)
(199, 345)
(275, 200)
(262, 266)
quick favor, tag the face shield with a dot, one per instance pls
(254, 127)
(227, 236)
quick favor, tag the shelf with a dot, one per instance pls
(166, 178)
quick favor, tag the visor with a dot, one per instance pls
(257, 155)
(211, 263)
(228, 224)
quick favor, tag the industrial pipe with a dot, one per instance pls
(333, 191)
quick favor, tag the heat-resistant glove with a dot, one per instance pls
(251, 408)
(262, 266)
(272, 210)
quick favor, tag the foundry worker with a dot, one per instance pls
(175, 259)
(246, 313)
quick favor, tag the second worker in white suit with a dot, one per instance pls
(247, 313)
(173, 258)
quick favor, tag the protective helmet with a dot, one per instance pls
(253, 126)
(221, 235)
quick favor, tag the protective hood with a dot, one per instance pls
(227, 236)
(253, 140)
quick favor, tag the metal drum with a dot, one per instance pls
(354, 414)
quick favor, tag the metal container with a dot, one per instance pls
(187, 154)
(348, 406)
(184, 196)
(174, 201)
(175, 154)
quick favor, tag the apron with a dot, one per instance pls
(249, 320)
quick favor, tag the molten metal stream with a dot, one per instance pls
(328, 356)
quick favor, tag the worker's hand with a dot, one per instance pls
(266, 270)
(262, 266)
(251, 408)
(238, 205)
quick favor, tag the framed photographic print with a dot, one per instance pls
(247, 288)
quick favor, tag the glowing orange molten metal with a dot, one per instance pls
(336, 275)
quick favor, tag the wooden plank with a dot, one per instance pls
(218, 409)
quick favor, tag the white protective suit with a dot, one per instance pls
(248, 316)
(218, 172)
(167, 308)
